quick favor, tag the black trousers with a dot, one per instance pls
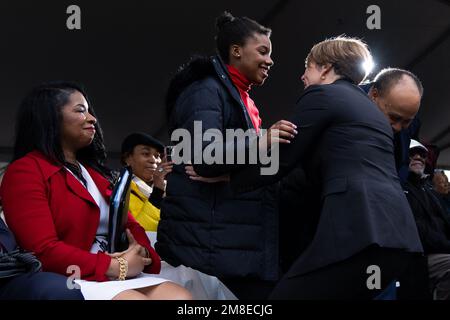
(249, 288)
(38, 286)
(347, 280)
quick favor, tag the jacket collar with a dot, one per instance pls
(50, 168)
(136, 191)
(225, 78)
(102, 184)
(347, 81)
(76, 187)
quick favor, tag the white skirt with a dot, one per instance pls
(107, 290)
(199, 284)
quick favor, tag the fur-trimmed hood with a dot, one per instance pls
(197, 68)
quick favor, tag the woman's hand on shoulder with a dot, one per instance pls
(194, 176)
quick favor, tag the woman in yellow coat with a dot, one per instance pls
(143, 153)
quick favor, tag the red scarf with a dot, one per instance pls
(243, 85)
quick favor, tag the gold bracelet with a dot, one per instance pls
(123, 268)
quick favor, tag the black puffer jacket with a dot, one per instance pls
(203, 225)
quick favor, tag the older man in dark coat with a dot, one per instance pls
(432, 222)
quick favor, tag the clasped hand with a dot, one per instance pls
(136, 255)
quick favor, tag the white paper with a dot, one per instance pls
(107, 290)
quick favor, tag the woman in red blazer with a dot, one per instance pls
(56, 192)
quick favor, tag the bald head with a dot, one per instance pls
(397, 93)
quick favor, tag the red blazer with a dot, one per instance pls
(54, 216)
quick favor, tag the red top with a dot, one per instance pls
(54, 216)
(243, 85)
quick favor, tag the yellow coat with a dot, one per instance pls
(142, 210)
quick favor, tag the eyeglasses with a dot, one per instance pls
(421, 153)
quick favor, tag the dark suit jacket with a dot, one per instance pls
(346, 145)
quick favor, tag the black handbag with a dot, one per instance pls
(18, 262)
